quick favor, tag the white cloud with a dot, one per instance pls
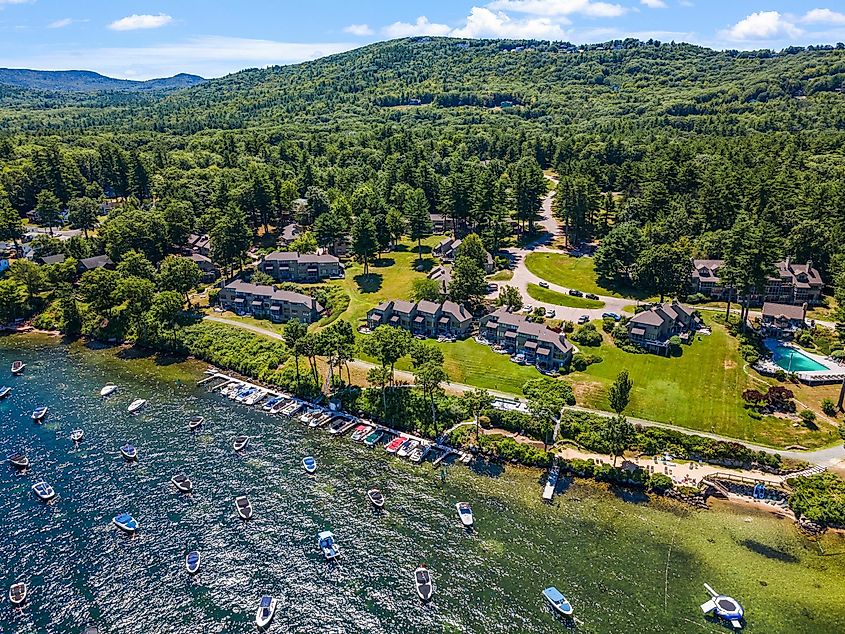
(655, 4)
(823, 16)
(763, 25)
(133, 22)
(553, 8)
(358, 29)
(60, 24)
(483, 22)
(421, 27)
(2, 2)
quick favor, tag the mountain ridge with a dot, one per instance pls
(90, 81)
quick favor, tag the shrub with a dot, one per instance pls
(608, 324)
(587, 335)
(697, 298)
(808, 417)
(660, 482)
(568, 326)
(780, 375)
(579, 362)
(820, 498)
(828, 407)
(212, 295)
(839, 355)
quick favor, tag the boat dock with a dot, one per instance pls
(551, 483)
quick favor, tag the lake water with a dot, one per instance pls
(628, 564)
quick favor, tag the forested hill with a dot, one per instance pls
(88, 81)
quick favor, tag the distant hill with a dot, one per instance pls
(88, 81)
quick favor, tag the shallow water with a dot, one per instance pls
(628, 564)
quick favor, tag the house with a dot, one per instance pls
(544, 348)
(48, 260)
(652, 328)
(424, 318)
(289, 233)
(210, 272)
(265, 301)
(447, 250)
(289, 266)
(792, 283)
(442, 223)
(443, 275)
(200, 244)
(97, 262)
(780, 319)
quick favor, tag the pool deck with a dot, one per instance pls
(834, 373)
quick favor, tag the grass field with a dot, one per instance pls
(501, 276)
(561, 299)
(571, 272)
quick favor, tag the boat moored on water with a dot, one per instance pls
(376, 498)
(77, 435)
(108, 388)
(309, 464)
(5, 391)
(361, 432)
(269, 403)
(17, 367)
(126, 523)
(320, 420)
(338, 424)
(265, 612)
(182, 482)
(393, 445)
(19, 461)
(192, 562)
(724, 607)
(39, 413)
(240, 443)
(195, 422)
(424, 583)
(256, 397)
(244, 507)
(407, 447)
(43, 491)
(417, 455)
(373, 438)
(557, 601)
(279, 406)
(241, 396)
(327, 545)
(136, 405)
(292, 408)
(18, 593)
(129, 452)
(464, 514)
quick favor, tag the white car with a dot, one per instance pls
(550, 313)
(583, 319)
(527, 308)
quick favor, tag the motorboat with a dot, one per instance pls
(232, 389)
(376, 498)
(310, 415)
(320, 420)
(292, 408)
(268, 405)
(464, 514)
(17, 594)
(266, 611)
(393, 445)
(192, 562)
(17, 367)
(19, 461)
(405, 450)
(240, 443)
(255, 397)
(309, 464)
(43, 491)
(194, 422)
(39, 413)
(279, 406)
(557, 601)
(126, 523)
(724, 607)
(245, 394)
(338, 424)
(129, 452)
(244, 507)
(360, 432)
(5, 391)
(417, 454)
(425, 585)
(328, 546)
(77, 435)
(373, 438)
(91, 629)
(182, 482)
(108, 388)
(136, 405)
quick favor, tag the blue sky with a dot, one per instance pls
(148, 38)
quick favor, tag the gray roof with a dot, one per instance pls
(771, 309)
(269, 293)
(292, 256)
(53, 259)
(96, 262)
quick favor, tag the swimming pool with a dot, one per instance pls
(792, 359)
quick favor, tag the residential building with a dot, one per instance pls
(265, 301)
(200, 244)
(652, 328)
(545, 348)
(289, 266)
(289, 233)
(210, 272)
(47, 260)
(425, 318)
(792, 283)
(443, 275)
(779, 319)
(447, 250)
(442, 223)
(97, 262)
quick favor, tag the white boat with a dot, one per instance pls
(182, 482)
(192, 562)
(310, 415)
(417, 454)
(309, 464)
(265, 612)
(108, 388)
(320, 420)
(724, 607)
(327, 545)
(17, 367)
(19, 461)
(361, 432)
(77, 435)
(557, 601)
(231, 388)
(405, 450)
(240, 443)
(194, 422)
(129, 452)
(17, 594)
(464, 513)
(376, 498)
(255, 397)
(241, 396)
(373, 438)
(338, 424)
(278, 406)
(136, 405)
(39, 413)
(424, 583)
(125, 522)
(44, 491)
(292, 408)
(269, 403)
(5, 391)
(244, 507)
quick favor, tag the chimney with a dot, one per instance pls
(804, 314)
(809, 267)
(788, 261)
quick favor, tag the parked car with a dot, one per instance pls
(492, 287)
(575, 293)
(527, 308)
(583, 319)
(544, 285)
(612, 316)
(591, 296)
(550, 313)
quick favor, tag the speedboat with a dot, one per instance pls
(17, 367)
(405, 450)
(194, 422)
(393, 445)
(464, 514)
(17, 594)
(327, 544)
(268, 405)
(240, 443)
(279, 406)
(136, 405)
(126, 522)
(108, 388)
(244, 394)
(182, 482)
(425, 586)
(77, 435)
(724, 607)
(232, 390)
(192, 562)
(129, 452)
(255, 397)
(417, 454)
(373, 438)
(19, 461)
(376, 498)
(309, 464)
(292, 408)
(44, 491)
(337, 424)
(310, 415)
(5, 391)
(361, 432)
(38, 414)
(265, 612)
(244, 507)
(320, 420)
(559, 603)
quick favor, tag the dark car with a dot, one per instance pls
(575, 293)
(591, 296)
(612, 316)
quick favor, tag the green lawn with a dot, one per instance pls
(571, 272)
(561, 299)
(504, 275)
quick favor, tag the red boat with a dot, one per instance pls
(394, 444)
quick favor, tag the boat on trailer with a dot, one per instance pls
(126, 523)
(136, 405)
(39, 413)
(19, 461)
(424, 583)
(244, 507)
(309, 464)
(464, 514)
(376, 498)
(5, 391)
(240, 443)
(43, 491)
(559, 603)
(192, 562)
(373, 438)
(108, 388)
(18, 367)
(129, 452)
(327, 544)
(182, 482)
(724, 607)
(18, 593)
(195, 422)
(77, 435)
(266, 611)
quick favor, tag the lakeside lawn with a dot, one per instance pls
(548, 296)
(571, 272)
